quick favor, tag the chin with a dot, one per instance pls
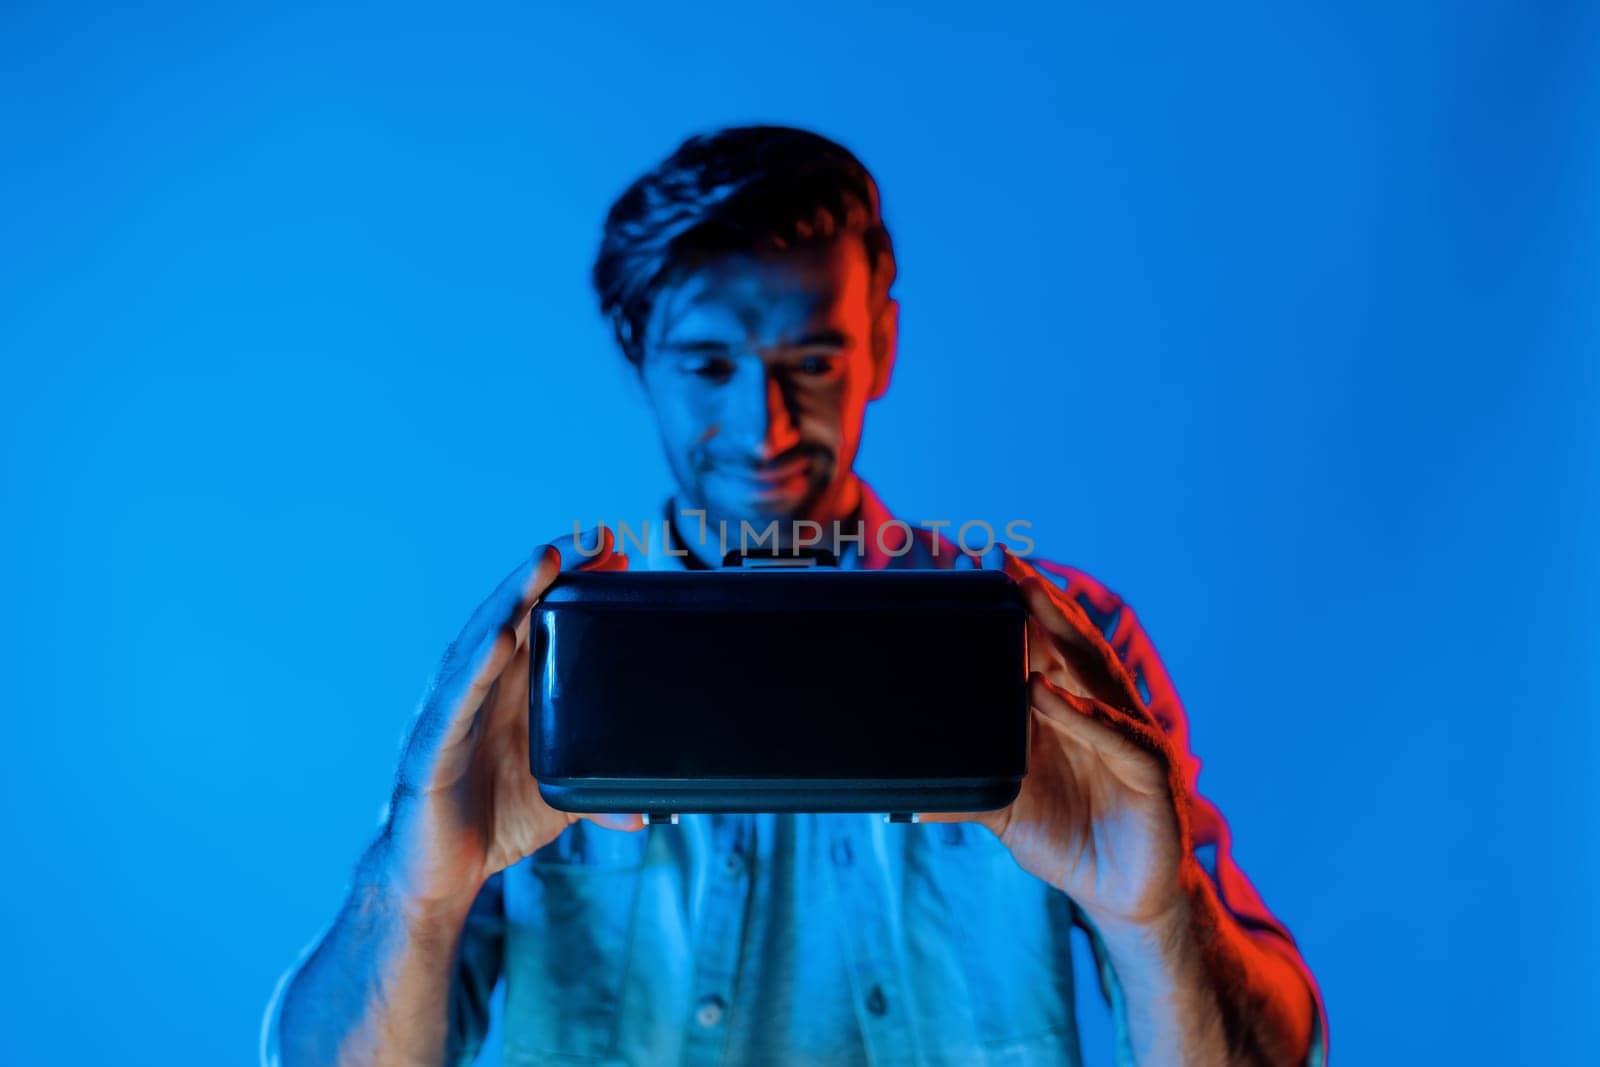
(759, 511)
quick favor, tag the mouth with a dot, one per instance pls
(785, 479)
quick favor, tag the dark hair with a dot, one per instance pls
(741, 189)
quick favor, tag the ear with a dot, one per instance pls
(885, 343)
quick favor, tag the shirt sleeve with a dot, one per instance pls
(268, 1044)
(477, 972)
(1212, 841)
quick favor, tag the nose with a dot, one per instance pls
(767, 422)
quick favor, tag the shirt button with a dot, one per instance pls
(733, 863)
(877, 1003)
(842, 853)
(709, 1013)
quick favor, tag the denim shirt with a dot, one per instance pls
(807, 938)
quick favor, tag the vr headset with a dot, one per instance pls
(779, 684)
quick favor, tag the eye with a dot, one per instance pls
(713, 369)
(817, 366)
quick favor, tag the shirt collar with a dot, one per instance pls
(664, 551)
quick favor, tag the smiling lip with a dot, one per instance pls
(774, 477)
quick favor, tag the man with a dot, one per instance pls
(748, 281)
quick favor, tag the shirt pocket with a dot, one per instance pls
(568, 938)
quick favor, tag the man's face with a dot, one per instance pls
(760, 368)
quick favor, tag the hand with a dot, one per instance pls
(1101, 815)
(465, 803)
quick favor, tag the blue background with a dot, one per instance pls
(1283, 324)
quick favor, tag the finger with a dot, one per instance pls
(583, 549)
(993, 820)
(1082, 631)
(614, 561)
(1136, 752)
(504, 714)
(507, 690)
(616, 821)
(1090, 657)
(491, 637)
(516, 593)
(1040, 598)
(1047, 655)
(591, 549)
(1085, 658)
(1048, 647)
(1022, 571)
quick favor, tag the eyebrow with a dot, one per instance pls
(828, 338)
(824, 338)
(695, 346)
